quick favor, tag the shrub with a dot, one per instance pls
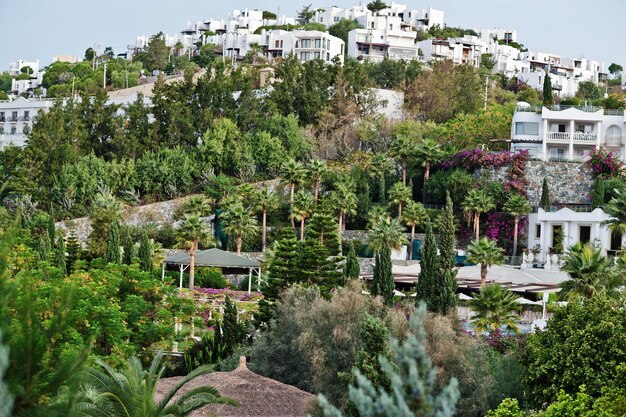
(604, 164)
(210, 278)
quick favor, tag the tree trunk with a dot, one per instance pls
(293, 190)
(516, 223)
(399, 209)
(302, 229)
(264, 232)
(477, 225)
(192, 265)
(239, 244)
(340, 223)
(403, 171)
(381, 189)
(412, 241)
(317, 188)
(427, 173)
(483, 274)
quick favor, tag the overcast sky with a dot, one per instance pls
(40, 29)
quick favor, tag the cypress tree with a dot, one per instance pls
(545, 195)
(45, 247)
(427, 288)
(384, 282)
(128, 246)
(113, 244)
(73, 250)
(230, 327)
(352, 268)
(599, 193)
(51, 226)
(447, 280)
(145, 253)
(59, 259)
(547, 91)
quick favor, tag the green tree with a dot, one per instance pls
(404, 149)
(128, 246)
(45, 247)
(376, 6)
(386, 233)
(293, 173)
(548, 100)
(324, 228)
(315, 170)
(517, 206)
(342, 28)
(383, 283)
(132, 391)
(413, 380)
(145, 253)
(232, 331)
(428, 152)
(447, 258)
(414, 215)
(240, 224)
(581, 345)
(399, 195)
(106, 209)
(156, 55)
(113, 244)
(192, 232)
(375, 337)
(616, 209)
(267, 200)
(345, 201)
(305, 14)
(476, 202)
(494, 307)
(302, 209)
(51, 226)
(545, 195)
(427, 287)
(484, 252)
(509, 407)
(615, 68)
(59, 258)
(352, 267)
(73, 250)
(6, 399)
(379, 167)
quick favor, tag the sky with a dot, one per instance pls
(40, 29)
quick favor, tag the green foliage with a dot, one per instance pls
(548, 100)
(233, 332)
(545, 195)
(427, 287)
(210, 349)
(447, 298)
(375, 336)
(105, 211)
(382, 282)
(156, 55)
(210, 278)
(6, 399)
(589, 90)
(59, 255)
(494, 307)
(458, 182)
(412, 378)
(471, 129)
(342, 28)
(484, 252)
(113, 244)
(529, 95)
(45, 248)
(507, 408)
(145, 253)
(449, 32)
(582, 345)
(391, 73)
(352, 267)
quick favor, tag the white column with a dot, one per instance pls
(249, 280)
(544, 145)
(163, 272)
(571, 140)
(596, 233)
(544, 240)
(181, 276)
(598, 134)
(566, 238)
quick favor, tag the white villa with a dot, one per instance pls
(567, 132)
(16, 118)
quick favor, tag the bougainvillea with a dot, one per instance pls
(499, 227)
(604, 164)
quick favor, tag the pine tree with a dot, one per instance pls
(414, 389)
(319, 268)
(230, 326)
(324, 228)
(59, 258)
(73, 250)
(545, 195)
(45, 247)
(51, 226)
(383, 283)
(352, 267)
(128, 246)
(447, 284)
(548, 100)
(113, 244)
(427, 289)
(375, 336)
(145, 253)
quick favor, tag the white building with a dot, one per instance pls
(497, 34)
(465, 50)
(29, 85)
(16, 118)
(576, 226)
(567, 132)
(333, 15)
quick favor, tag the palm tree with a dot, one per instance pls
(193, 231)
(591, 273)
(197, 206)
(403, 148)
(302, 209)
(517, 206)
(345, 201)
(415, 214)
(132, 390)
(376, 215)
(477, 202)
(266, 199)
(292, 172)
(494, 306)
(399, 195)
(387, 233)
(616, 209)
(428, 152)
(486, 253)
(239, 223)
(315, 170)
(379, 167)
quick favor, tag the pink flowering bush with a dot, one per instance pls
(604, 164)
(223, 292)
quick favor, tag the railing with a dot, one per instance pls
(529, 109)
(578, 208)
(585, 137)
(558, 136)
(613, 112)
(13, 119)
(559, 107)
(25, 118)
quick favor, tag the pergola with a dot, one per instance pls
(228, 262)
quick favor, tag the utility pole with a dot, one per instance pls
(486, 90)
(104, 79)
(126, 68)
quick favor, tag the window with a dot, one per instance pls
(13, 130)
(26, 115)
(305, 56)
(322, 19)
(277, 44)
(581, 152)
(306, 43)
(1, 130)
(557, 153)
(316, 55)
(526, 128)
(318, 43)
(324, 43)
(537, 231)
(336, 18)
(561, 128)
(584, 234)
(391, 27)
(14, 116)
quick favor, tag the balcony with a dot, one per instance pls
(557, 136)
(25, 118)
(13, 119)
(579, 137)
(582, 137)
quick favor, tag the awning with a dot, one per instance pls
(213, 258)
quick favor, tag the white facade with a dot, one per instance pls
(334, 14)
(465, 50)
(567, 132)
(19, 87)
(584, 227)
(488, 35)
(390, 103)
(16, 67)
(16, 118)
